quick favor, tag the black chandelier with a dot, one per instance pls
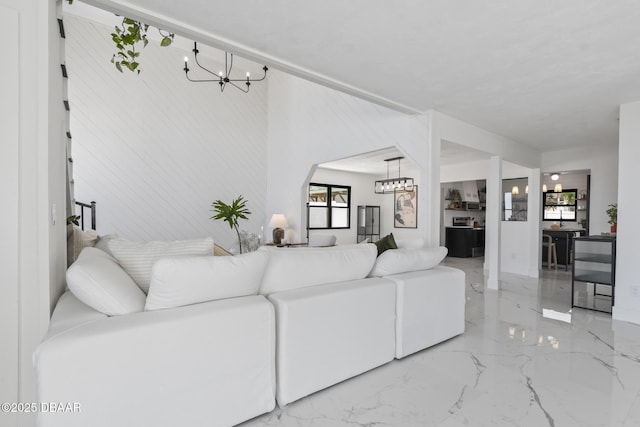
(222, 78)
(389, 185)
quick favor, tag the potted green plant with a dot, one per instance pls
(453, 195)
(612, 212)
(231, 213)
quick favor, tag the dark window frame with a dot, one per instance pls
(328, 207)
(551, 205)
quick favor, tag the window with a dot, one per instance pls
(514, 202)
(328, 206)
(560, 206)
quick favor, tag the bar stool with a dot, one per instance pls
(552, 255)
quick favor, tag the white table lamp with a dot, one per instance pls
(279, 223)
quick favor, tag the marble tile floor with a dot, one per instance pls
(525, 359)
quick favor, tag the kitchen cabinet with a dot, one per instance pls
(464, 242)
(593, 275)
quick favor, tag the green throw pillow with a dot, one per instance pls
(387, 242)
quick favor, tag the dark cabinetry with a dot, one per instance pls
(593, 275)
(563, 240)
(368, 223)
(464, 242)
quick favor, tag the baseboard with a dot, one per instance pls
(626, 315)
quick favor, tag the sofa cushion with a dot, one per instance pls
(103, 242)
(292, 268)
(404, 260)
(413, 243)
(97, 280)
(188, 280)
(77, 240)
(138, 258)
(386, 243)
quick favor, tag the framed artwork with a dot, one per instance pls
(405, 208)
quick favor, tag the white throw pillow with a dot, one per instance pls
(103, 242)
(292, 268)
(97, 280)
(188, 280)
(404, 260)
(138, 258)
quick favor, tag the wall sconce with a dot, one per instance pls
(557, 188)
(515, 190)
(544, 188)
(278, 222)
(526, 189)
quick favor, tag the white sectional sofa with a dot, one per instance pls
(218, 339)
(331, 324)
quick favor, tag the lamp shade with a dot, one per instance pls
(557, 188)
(278, 221)
(544, 188)
(515, 190)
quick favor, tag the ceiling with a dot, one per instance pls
(373, 162)
(544, 73)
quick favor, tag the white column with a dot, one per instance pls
(534, 221)
(493, 222)
(432, 176)
(9, 194)
(33, 181)
(627, 289)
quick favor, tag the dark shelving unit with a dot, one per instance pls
(368, 223)
(593, 275)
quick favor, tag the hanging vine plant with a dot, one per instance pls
(127, 37)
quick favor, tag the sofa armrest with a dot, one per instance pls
(205, 364)
(69, 313)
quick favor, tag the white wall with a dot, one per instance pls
(627, 303)
(31, 183)
(362, 193)
(602, 160)
(154, 150)
(462, 133)
(517, 160)
(311, 124)
(10, 214)
(467, 171)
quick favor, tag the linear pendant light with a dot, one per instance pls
(389, 185)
